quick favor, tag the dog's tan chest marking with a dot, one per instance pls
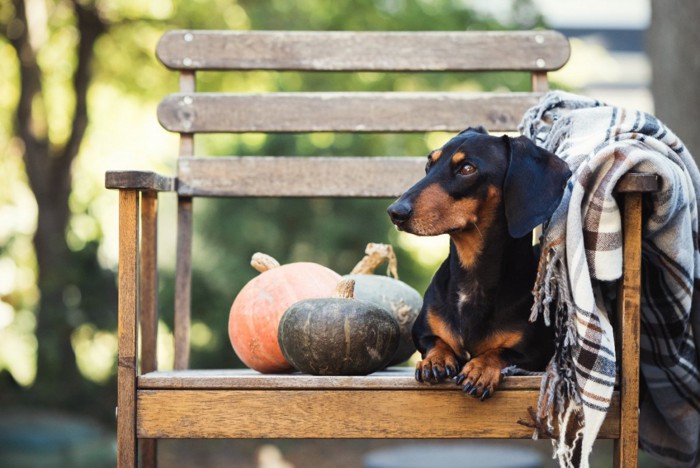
(498, 340)
(470, 242)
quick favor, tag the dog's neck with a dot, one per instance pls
(488, 258)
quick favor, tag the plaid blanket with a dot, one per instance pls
(582, 255)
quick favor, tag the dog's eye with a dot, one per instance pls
(467, 169)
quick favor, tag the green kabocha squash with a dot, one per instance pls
(338, 335)
(401, 300)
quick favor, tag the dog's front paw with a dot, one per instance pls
(481, 376)
(438, 365)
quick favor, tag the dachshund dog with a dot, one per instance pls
(487, 193)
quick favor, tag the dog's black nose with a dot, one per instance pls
(399, 212)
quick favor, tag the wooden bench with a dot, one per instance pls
(229, 403)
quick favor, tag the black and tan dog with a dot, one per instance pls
(487, 193)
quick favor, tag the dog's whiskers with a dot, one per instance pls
(478, 230)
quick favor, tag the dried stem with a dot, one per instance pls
(376, 254)
(263, 262)
(345, 289)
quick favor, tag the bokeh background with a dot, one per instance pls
(79, 86)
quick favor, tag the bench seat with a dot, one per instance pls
(241, 403)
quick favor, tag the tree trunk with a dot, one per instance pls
(673, 41)
(48, 169)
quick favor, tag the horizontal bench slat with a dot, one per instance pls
(363, 51)
(267, 176)
(276, 413)
(342, 112)
(396, 378)
(326, 176)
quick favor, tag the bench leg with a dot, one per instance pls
(149, 453)
(626, 447)
(148, 305)
(128, 288)
(183, 284)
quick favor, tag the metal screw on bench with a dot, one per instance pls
(188, 37)
(540, 61)
(186, 115)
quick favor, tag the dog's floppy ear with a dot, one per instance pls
(533, 186)
(477, 129)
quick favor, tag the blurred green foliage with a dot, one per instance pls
(129, 82)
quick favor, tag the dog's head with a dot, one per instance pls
(475, 174)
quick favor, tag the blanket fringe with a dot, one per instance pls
(559, 395)
(564, 450)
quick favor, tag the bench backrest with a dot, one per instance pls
(189, 112)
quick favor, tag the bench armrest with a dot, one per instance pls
(139, 180)
(635, 182)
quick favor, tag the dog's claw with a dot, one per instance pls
(485, 395)
(418, 376)
(460, 378)
(449, 371)
(467, 387)
(426, 374)
(473, 391)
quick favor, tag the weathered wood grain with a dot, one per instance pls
(280, 176)
(368, 51)
(342, 111)
(625, 453)
(298, 177)
(127, 327)
(540, 83)
(396, 378)
(183, 283)
(637, 182)
(338, 414)
(148, 281)
(183, 258)
(188, 84)
(148, 448)
(139, 180)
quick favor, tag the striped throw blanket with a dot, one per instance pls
(582, 256)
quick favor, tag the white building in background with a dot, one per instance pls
(608, 42)
(608, 59)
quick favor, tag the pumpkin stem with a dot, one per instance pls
(376, 254)
(263, 262)
(345, 289)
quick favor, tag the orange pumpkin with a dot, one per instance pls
(256, 312)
